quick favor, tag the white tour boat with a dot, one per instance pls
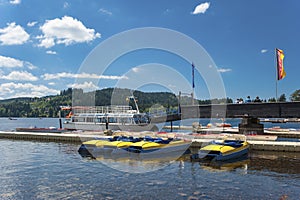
(100, 118)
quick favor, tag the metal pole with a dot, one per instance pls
(59, 115)
(276, 74)
(193, 82)
(179, 102)
(192, 97)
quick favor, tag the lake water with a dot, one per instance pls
(8, 125)
(41, 170)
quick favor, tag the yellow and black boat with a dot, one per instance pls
(158, 145)
(223, 150)
(122, 145)
(105, 145)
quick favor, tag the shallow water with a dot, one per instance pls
(35, 170)
(8, 125)
(41, 170)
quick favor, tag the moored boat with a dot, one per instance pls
(100, 118)
(224, 125)
(168, 149)
(10, 118)
(95, 147)
(223, 150)
(148, 144)
(126, 146)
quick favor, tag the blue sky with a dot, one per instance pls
(43, 46)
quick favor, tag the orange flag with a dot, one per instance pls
(280, 70)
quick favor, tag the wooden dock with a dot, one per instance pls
(257, 142)
(71, 137)
(284, 133)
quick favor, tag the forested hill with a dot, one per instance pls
(49, 106)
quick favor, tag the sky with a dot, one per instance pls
(49, 46)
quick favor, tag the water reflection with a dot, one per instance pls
(268, 161)
(36, 170)
(279, 162)
(137, 162)
(229, 165)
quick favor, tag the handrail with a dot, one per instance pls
(102, 109)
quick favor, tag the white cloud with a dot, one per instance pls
(82, 75)
(51, 52)
(66, 5)
(104, 11)
(10, 62)
(15, 2)
(201, 8)
(136, 69)
(13, 34)
(51, 83)
(20, 76)
(29, 65)
(87, 86)
(167, 11)
(223, 70)
(67, 31)
(264, 51)
(31, 24)
(46, 42)
(13, 90)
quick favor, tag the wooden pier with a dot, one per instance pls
(257, 142)
(50, 137)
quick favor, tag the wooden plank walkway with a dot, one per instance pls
(50, 137)
(258, 142)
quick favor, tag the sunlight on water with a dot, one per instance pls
(41, 170)
(54, 171)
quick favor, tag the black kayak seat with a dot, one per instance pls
(232, 143)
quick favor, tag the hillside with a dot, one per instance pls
(49, 106)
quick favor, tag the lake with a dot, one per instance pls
(48, 170)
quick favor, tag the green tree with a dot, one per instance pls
(295, 96)
(282, 98)
(272, 99)
(50, 112)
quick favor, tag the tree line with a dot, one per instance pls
(50, 106)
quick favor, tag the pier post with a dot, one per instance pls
(59, 116)
(106, 125)
(250, 125)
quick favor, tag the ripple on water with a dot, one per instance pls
(35, 170)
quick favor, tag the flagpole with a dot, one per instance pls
(276, 73)
(193, 82)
